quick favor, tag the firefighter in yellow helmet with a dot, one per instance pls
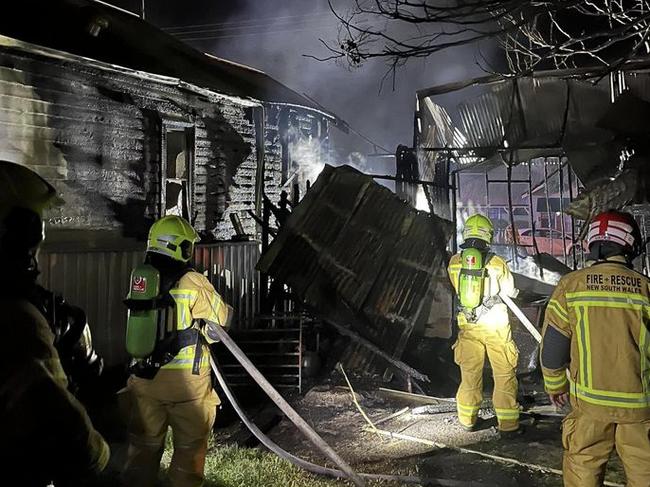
(172, 387)
(479, 277)
(46, 435)
(596, 354)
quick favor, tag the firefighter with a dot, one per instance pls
(596, 328)
(46, 433)
(173, 388)
(479, 277)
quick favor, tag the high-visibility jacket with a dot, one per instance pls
(196, 299)
(603, 314)
(498, 280)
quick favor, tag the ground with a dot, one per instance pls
(331, 411)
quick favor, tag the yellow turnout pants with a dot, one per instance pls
(474, 341)
(588, 442)
(173, 399)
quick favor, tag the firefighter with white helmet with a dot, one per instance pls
(171, 385)
(479, 277)
(46, 433)
(596, 355)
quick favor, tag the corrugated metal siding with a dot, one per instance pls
(98, 281)
(231, 269)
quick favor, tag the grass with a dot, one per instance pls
(232, 466)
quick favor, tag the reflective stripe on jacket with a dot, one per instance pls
(498, 280)
(605, 311)
(196, 299)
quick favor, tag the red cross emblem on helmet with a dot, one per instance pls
(617, 227)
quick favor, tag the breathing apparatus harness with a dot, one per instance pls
(471, 293)
(152, 336)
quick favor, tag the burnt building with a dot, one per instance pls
(131, 124)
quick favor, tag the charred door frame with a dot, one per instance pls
(189, 127)
(259, 121)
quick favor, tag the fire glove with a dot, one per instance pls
(491, 301)
(486, 306)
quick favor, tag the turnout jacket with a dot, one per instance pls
(45, 433)
(195, 300)
(596, 328)
(199, 306)
(498, 280)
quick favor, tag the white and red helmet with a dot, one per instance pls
(616, 227)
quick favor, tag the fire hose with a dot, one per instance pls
(522, 317)
(345, 470)
(284, 406)
(278, 450)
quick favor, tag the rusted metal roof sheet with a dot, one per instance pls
(356, 253)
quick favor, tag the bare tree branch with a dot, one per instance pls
(533, 33)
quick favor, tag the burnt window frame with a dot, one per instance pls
(189, 128)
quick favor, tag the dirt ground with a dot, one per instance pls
(331, 411)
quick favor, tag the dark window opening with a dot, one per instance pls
(178, 152)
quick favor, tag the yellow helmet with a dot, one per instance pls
(21, 187)
(174, 237)
(479, 227)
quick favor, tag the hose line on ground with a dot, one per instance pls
(346, 471)
(284, 406)
(299, 462)
(291, 413)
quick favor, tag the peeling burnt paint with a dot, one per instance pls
(96, 134)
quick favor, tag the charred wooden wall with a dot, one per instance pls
(96, 134)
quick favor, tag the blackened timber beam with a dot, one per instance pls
(398, 365)
(412, 181)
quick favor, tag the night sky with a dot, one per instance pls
(274, 35)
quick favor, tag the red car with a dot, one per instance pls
(548, 240)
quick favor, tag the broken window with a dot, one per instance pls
(178, 150)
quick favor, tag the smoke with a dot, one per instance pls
(309, 155)
(527, 267)
(276, 35)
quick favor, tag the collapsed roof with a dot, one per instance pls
(507, 120)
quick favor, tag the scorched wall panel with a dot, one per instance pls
(96, 134)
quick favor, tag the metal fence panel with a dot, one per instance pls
(98, 281)
(230, 266)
